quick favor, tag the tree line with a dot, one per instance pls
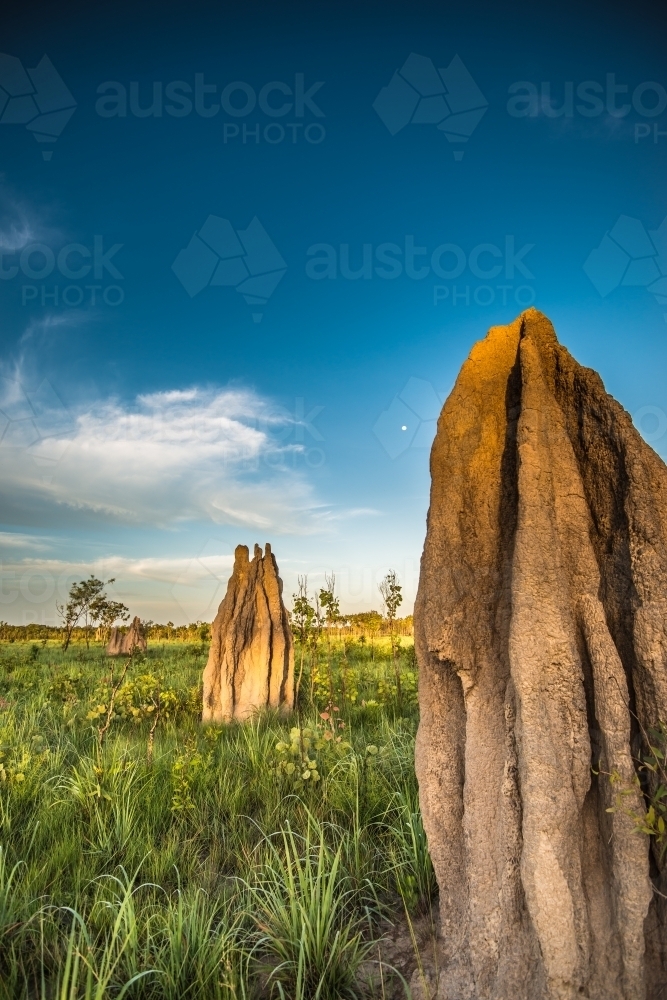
(89, 612)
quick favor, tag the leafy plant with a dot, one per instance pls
(67, 686)
(390, 693)
(303, 621)
(104, 710)
(187, 765)
(651, 780)
(390, 591)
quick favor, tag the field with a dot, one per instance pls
(146, 856)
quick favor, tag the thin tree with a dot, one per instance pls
(390, 591)
(110, 613)
(114, 689)
(315, 637)
(303, 623)
(88, 601)
(331, 605)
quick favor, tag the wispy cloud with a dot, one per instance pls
(181, 588)
(16, 234)
(168, 569)
(20, 222)
(17, 540)
(226, 456)
(346, 514)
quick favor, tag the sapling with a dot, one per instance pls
(303, 624)
(331, 605)
(390, 591)
(103, 729)
(87, 600)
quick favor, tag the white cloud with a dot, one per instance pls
(180, 588)
(168, 569)
(22, 223)
(16, 233)
(16, 540)
(226, 456)
(345, 515)
(15, 236)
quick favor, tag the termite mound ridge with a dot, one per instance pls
(541, 636)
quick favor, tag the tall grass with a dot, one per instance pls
(203, 870)
(311, 937)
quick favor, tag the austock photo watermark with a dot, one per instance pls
(35, 421)
(592, 99)
(421, 94)
(357, 586)
(269, 114)
(37, 99)
(410, 420)
(440, 267)
(296, 441)
(450, 100)
(630, 256)
(273, 113)
(72, 275)
(201, 584)
(248, 261)
(220, 256)
(281, 436)
(289, 111)
(36, 586)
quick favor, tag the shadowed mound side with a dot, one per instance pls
(541, 634)
(251, 659)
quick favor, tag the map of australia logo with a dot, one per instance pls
(36, 98)
(420, 94)
(220, 256)
(629, 255)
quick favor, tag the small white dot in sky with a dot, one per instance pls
(404, 428)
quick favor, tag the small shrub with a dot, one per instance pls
(187, 765)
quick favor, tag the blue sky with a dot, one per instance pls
(186, 195)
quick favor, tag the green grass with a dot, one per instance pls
(212, 864)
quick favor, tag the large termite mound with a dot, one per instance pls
(541, 633)
(251, 660)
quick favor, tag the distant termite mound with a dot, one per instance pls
(541, 635)
(125, 643)
(251, 660)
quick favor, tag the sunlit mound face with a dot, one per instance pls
(538, 623)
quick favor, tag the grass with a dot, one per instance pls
(163, 859)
